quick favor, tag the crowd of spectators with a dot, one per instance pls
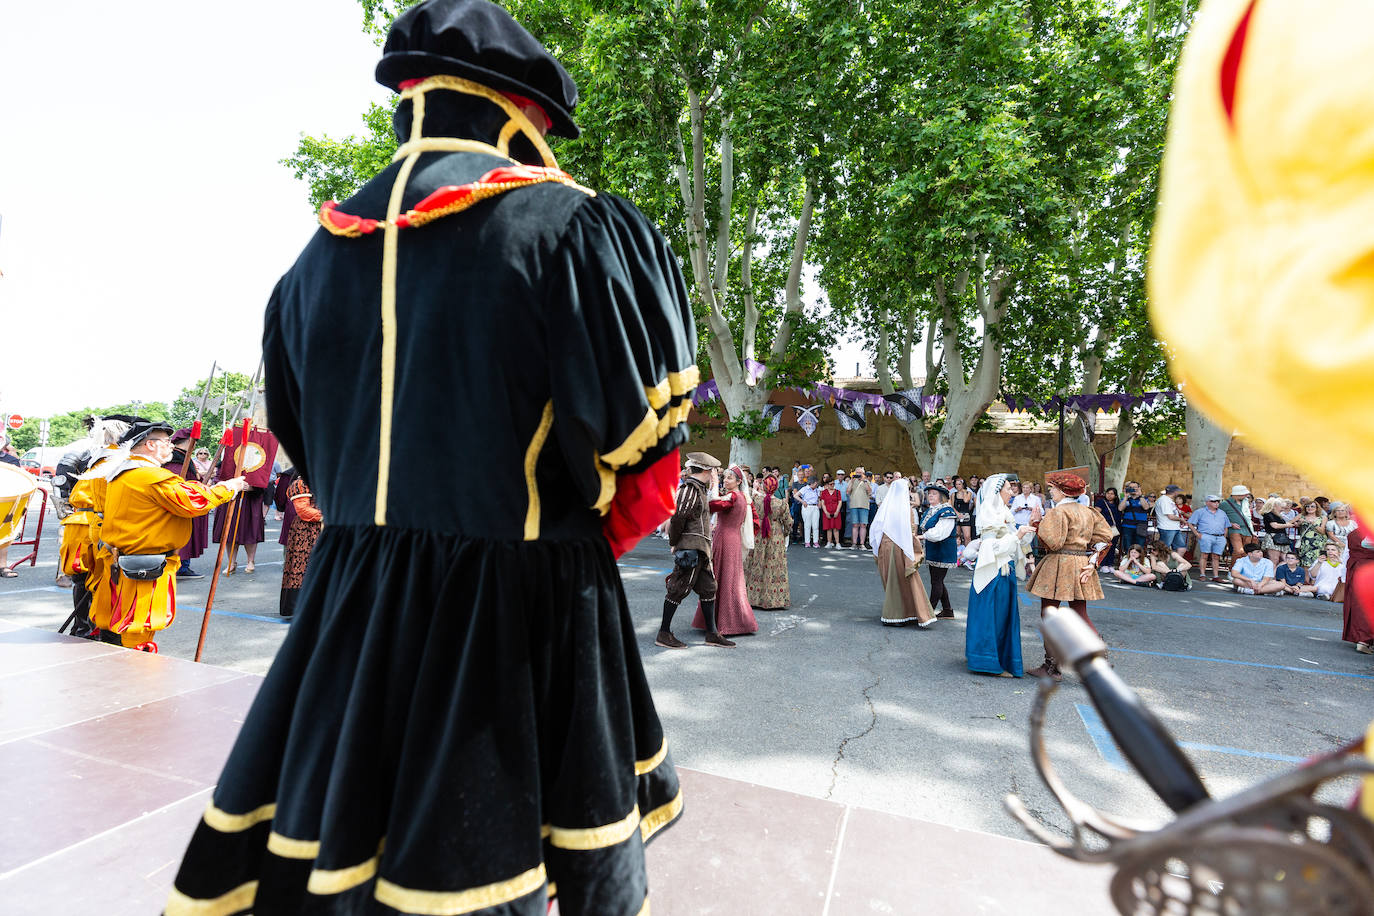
(1270, 546)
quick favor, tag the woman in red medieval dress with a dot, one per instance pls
(734, 616)
(1359, 615)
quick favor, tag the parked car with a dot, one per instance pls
(42, 462)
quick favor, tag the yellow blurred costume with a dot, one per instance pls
(1262, 264)
(84, 544)
(1261, 275)
(148, 510)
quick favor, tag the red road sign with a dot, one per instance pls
(14, 421)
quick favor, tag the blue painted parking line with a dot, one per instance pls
(1101, 738)
(1232, 661)
(657, 569)
(1239, 752)
(1106, 746)
(1094, 606)
(45, 588)
(219, 613)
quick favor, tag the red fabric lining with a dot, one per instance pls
(642, 501)
(1230, 64)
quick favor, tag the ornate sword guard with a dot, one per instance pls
(1271, 850)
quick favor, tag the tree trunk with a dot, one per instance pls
(1120, 458)
(1079, 429)
(1207, 447)
(739, 399)
(949, 444)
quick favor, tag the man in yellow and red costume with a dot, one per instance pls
(148, 513)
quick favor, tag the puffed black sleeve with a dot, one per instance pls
(622, 346)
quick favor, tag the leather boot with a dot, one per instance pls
(665, 637)
(713, 637)
(1048, 668)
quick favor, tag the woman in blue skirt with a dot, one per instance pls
(992, 640)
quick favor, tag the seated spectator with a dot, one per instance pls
(1169, 566)
(1294, 578)
(1134, 569)
(1327, 575)
(1253, 574)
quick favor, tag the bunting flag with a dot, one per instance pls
(808, 418)
(905, 405)
(773, 414)
(850, 414)
(754, 370)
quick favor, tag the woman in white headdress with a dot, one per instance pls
(992, 640)
(899, 556)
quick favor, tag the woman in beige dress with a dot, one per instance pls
(899, 555)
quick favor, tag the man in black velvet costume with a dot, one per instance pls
(458, 721)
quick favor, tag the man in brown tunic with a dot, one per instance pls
(1075, 538)
(689, 535)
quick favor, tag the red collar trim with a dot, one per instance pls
(445, 201)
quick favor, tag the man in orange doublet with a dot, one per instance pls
(148, 512)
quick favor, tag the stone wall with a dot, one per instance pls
(883, 445)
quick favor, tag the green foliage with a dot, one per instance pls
(336, 169)
(66, 428)
(750, 425)
(933, 133)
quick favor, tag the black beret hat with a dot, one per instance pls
(478, 40)
(141, 429)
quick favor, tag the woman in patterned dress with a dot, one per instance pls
(765, 569)
(304, 530)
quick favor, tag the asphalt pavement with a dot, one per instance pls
(827, 702)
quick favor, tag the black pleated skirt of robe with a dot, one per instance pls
(485, 684)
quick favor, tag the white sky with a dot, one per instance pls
(145, 215)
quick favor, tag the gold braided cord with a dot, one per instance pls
(225, 822)
(446, 145)
(511, 128)
(587, 838)
(456, 903)
(468, 87)
(236, 901)
(389, 334)
(541, 434)
(660, 817)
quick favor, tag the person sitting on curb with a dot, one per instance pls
(1328, 575)
(1135, 569)
(1294, 578)
(1253, 574)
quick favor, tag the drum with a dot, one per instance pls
(16, 486)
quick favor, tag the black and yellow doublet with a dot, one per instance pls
(458, 721)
